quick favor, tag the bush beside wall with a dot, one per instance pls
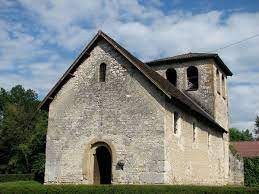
(16, 177)
(34, 187)
(251, 171)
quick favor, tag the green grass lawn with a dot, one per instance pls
(35, 187)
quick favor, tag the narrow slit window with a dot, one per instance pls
(176, 122)
(192, 78)
(102, 72)
(223, 86)
(193, 132)
(208, 139)
(218, 81)
(171, 76)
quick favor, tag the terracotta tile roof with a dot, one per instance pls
(193, 56)
(247, 148)
(159, 81)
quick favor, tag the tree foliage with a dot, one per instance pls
(22, 132)
(251, 171)
(237, 135)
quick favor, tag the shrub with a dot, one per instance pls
(251, 171)
(16, 177)
(34, 187)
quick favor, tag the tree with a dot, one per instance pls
(37, 146)
(237, 135)
(256, 130)
(22, 131)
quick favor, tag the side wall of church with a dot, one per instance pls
(126, 112)
(193, 157)
(221, 114)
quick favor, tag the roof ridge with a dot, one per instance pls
(184, 54)
(254, 141)
(192, 56)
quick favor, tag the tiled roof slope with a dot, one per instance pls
(193, 56)
(247, 148)
(163, 84)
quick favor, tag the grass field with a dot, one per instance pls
(35, 187)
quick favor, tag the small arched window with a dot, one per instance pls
(192, 78)
(171, 76)
(102, 72)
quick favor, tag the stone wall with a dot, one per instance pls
(125, 112)
(189, 161)
(204, 95)
(221, 114)
(221, 102)
(236, 170)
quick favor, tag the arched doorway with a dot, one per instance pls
(102, 165)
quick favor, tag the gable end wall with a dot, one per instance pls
(126, 111)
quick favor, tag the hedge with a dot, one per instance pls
(34, 187)
(251, 171)
(16, 177)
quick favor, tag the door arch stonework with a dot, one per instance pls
(88, 166)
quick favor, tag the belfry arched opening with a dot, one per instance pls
(102, 165)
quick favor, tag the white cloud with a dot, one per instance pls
(17, 46)
(145, 30)
(244, 105)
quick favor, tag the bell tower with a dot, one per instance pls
(202, 77)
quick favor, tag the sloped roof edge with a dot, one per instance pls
(164, 85)
(84, 54)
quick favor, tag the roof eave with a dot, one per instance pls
(45, 103)
(211, 56)
(224, 67)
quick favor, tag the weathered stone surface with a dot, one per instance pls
(193, 162)
(213, 102)
(125, 111)
(236, 170)
(135, 120)
(204, 95)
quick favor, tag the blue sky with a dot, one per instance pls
(40, 39)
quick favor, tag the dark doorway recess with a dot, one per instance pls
(102, 166)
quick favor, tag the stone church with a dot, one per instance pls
(114, 119)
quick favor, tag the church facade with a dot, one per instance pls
(114, 119)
